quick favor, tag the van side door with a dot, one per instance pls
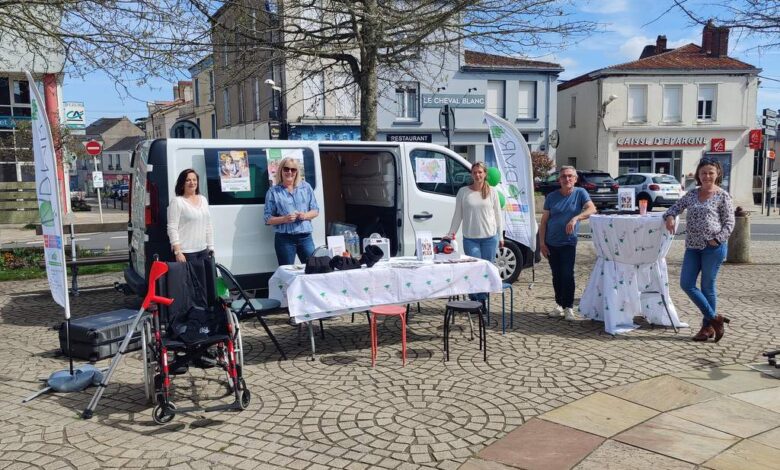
(434, 176)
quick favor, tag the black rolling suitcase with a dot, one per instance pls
(99, 336)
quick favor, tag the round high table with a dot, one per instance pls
(629, 278)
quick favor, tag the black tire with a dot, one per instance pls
(246, 396)
(162, 415)
(509, 261)
(645, 197)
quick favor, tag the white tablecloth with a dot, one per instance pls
(631, 260)
(313, 296)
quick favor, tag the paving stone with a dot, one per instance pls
(662, 393)
(600, 414)
(540, 444)
(678, 438)
(746, 455)
(766, 398)
(731, 416)
(613, 455)
(769, 438)
(728, 379)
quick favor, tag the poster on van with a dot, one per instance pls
(234, 171)
(275, 156)
(431, 170)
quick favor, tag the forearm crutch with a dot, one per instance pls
(158, 269)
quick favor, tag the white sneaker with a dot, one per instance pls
(556, 312)
(568, 314)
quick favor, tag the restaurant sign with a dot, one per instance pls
(661, 141)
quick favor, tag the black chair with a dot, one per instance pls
(245, 307)
(469, 307)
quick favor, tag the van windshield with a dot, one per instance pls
(241, 176)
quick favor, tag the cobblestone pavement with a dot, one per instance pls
(338, 412)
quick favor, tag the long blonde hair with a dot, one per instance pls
(485, 186)
(291, 163)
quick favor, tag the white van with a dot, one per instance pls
(368, 184)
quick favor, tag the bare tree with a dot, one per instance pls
(758, 18)
(371, 40)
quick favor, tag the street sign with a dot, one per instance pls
(773, 184)
(93, 147)
(770, 132)
(770, 113)
(769, 122)
(771, 155)
(97, 179)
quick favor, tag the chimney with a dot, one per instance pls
(720, 42)
(707, 37)
(660, 44)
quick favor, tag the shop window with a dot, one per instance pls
(672, 103)
(705, 110)
(637, 103)
(457, 174)
(406, 101)
(21, 92)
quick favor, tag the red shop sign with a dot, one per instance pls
(718, 145)
(754, 139)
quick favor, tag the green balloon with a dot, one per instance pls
(222, 290)
(493, 176)
(501, 199)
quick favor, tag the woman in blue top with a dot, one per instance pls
(290, 206)
(563, 210)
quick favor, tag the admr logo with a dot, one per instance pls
(496, 132)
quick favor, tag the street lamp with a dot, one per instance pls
(280, 113)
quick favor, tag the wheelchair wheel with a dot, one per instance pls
(164, 414)
(246, 397)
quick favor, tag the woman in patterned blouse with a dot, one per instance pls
(709, 223)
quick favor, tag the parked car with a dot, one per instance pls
(658, 189)
(599, 184)
(119, 191)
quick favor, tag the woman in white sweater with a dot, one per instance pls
(189, 223)
(478, 208)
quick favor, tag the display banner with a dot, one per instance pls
(47, 192)
(517, 182)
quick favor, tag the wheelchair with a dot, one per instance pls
(164, 340)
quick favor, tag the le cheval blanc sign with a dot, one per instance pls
(661, 141)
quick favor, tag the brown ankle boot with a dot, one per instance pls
(718, 324)
(704, 334)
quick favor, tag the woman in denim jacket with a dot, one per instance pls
(709, 223)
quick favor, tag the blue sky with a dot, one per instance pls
(628, 25)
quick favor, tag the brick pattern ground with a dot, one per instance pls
(338, 412)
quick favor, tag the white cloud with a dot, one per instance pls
(605, 6)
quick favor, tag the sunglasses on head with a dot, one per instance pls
(291, 170)
(708, 160)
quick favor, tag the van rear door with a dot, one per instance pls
(435, 174)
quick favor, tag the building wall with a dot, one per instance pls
(734, 116)
(204, 96)
(470, 134)
(577, 142)
(122, 129)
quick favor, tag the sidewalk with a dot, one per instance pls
(16, 233)
(725, 418)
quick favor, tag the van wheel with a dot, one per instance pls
(509, 261)
(646, 197)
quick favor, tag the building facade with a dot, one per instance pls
(663, 112)
(164, 114)
(203, 93)
(521, 91)
(116, 135)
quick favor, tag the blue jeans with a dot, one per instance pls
(287, 245)
(706, 261)
(484, 248)
(561, 260)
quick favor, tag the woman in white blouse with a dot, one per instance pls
(189, 223)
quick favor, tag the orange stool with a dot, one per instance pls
(387, 310)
